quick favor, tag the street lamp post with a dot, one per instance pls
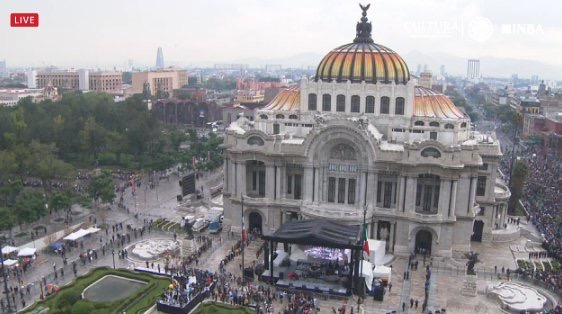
(113, 254)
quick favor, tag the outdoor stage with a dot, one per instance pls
(315, 255)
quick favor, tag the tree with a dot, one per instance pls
(102, 187)
(44, 164)
(92, 137)
(30, 206)
(60, 201)
(7, 220)
(516, 184)
(7, 164)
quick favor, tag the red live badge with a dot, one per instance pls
(24, 19)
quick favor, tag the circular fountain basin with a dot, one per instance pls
(517, 297)
(152, 249)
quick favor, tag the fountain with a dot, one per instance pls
(516, 297)
(153, 249)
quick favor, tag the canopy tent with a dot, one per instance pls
(9, 250)
(56, 245)
(92, 230)
(382, 272)
(9, 262)
(27, 252)
(77, 235)
(377, 251)
(318, 232)
(366, 269)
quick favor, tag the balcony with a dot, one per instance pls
(342, 212)
(501, 191)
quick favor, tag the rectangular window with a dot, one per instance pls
(385, 105)
(370, 104)
(331, 189)
(481, 186)
(436, 196)
(341, 190)
(262, 183)
(433, 135)
(311, 102)
(326, 102)
(379, 191)
(254, 180)
(351, 191)
(399, 108)
(484, 167)
(290, 185)
(387, 194)
(298, 184)
(427, 193)
(355, 103)
(340, 103)
(276, 129)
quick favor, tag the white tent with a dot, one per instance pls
(9, 249)
(10, 262)
(366, 269)
(377, 251)
(92, 230)
(27, 252)
(383, 272)
(76, 235)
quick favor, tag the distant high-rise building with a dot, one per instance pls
(31, 77)
(442, 70)
(3, 69)
(418, 70)
(425, 67)
(425, 80)
(159, 58)
(473, 69)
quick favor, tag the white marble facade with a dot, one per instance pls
(422, 174)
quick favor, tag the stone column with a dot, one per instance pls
(472, 195)
(444, 197)
(411, 186)
(400, 193)
(278, 182)
(361, 189)
(234, 170)
(374, 230)
(307, 184)
(372, 190)
(283, 181)
(269, 181)
(453, 202)
(391, 236)
(241, 181)
(226, 168)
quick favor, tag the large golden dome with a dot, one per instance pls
(363, 60)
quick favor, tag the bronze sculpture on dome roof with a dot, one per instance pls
(364, 27)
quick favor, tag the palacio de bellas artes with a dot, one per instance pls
(359, 141)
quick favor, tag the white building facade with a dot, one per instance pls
(361, 136)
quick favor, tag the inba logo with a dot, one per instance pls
(24, 19)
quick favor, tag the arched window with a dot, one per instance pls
(399, 109)
(263, 117)
(326, 102)
(279, 116)
(370, 104)
(255, 140)
(431, 152)
(434, 124)
(311, 102)
(463, 125)
(293, 117)
(449, 126)
(385, 105)
(355, 103)
(419, 123)
(340, 103)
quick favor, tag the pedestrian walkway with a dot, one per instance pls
(432, 291)
(406, 286)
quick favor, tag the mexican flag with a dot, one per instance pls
(365, 241)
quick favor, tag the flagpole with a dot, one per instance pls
(243, 230)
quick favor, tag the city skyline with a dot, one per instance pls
(194, 33)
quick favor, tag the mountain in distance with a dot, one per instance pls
(489, 66)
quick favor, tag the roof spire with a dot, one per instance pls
(363, 28)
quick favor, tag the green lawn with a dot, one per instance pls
(219, 308)
(67, 300)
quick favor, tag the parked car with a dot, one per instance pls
(200, 225)
(215, 227)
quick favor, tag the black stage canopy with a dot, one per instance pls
(318, 232)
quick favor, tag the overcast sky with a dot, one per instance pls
(103, 33)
